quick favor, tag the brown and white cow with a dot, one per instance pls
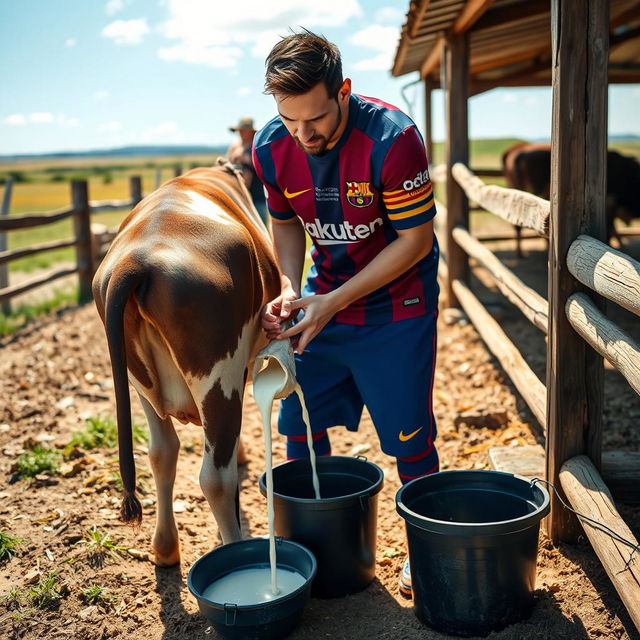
(527, 166)
(180, 292)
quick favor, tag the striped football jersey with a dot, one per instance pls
(351, 200)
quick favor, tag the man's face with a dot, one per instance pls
(315, 120)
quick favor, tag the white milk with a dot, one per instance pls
(266, 385)
(312, 453)
(251, 586)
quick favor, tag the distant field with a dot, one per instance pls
(45, 186)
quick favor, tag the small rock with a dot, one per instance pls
(88, 612)
(359, 449)
(138, 554)
(32, 576)
(4, 428)
(147, 502)
(179, 506)
(44, 437)
(65, 403)
(390, 552)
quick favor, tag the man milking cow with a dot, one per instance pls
(351, 172)
(527, 166)
(190, 278)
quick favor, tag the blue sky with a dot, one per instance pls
(93, 74)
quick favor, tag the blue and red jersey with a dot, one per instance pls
(351, 200)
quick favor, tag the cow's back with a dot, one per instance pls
(203, 268)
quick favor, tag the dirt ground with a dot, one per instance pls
(55, 374)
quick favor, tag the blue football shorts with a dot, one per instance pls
(387, 367)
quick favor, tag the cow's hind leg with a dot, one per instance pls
(163, 455)
(222, 417)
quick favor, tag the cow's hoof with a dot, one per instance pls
(166, 560)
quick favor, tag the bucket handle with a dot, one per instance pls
(230, 612)
(279, 540)
(361, 457)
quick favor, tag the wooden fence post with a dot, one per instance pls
(580, 36)
(158, 177)
(177, 170)
(82, 228)
(457, 150)
(135, 189)
(4, 268)
(428, 119)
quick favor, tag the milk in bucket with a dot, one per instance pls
(274, 377)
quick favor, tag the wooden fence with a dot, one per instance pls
(90, 240)
(607, 272)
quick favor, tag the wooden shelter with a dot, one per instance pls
(469, 46)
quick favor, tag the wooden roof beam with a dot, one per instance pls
(512, 13)
(472, 11)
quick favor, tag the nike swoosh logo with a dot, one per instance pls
(290, 195)
(404, 438)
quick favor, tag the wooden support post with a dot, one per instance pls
(457, 150)
(158, 177)
(177, 170)
(135, 189)
(82, 228)
(4, 268)
(428, 119)
(580, 39)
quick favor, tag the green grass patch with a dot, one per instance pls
(37, 460)
(103, 432)
(47, 593)
(99, 546)
(25, 313)
(8, 546)
(98, 595)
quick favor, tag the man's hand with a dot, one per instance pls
(318, 310)
(278, 311)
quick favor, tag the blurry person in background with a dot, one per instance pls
(239, 154)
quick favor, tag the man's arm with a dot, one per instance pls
(289, 243)
(399, 256)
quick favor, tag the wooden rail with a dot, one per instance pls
(589, 495)
(529, 302)
(36, 220)
(17, 289)
(527, 383)
(611, 273)
(8, 256)
(517, 207)
(617, 346)
(88, 248)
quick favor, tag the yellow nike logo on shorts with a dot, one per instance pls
(404, 438)
(290, 195)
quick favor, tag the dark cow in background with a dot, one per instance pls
(527, 167)
(180, 293)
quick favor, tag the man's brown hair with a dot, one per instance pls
(299, 62)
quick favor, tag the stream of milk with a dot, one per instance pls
(265, 386)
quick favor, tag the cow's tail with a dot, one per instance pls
(121, 286)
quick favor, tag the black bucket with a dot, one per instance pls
(473, 543)
(265, 621)
(340, 528)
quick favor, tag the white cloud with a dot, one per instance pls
(163, 132)
(111, 126)
(390, 15)
(41, 118)
(210, 56)
(113, 6)
(100, 94)
(127, 32)
(15, 119)
(70, 42)
(243, 91)
(382, 39)
(217, 34)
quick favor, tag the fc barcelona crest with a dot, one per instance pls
(359, 194)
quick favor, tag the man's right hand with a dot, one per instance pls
(278, 311)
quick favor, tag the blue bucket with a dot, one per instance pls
(473, 542)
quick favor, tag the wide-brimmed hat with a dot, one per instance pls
(243, 123)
